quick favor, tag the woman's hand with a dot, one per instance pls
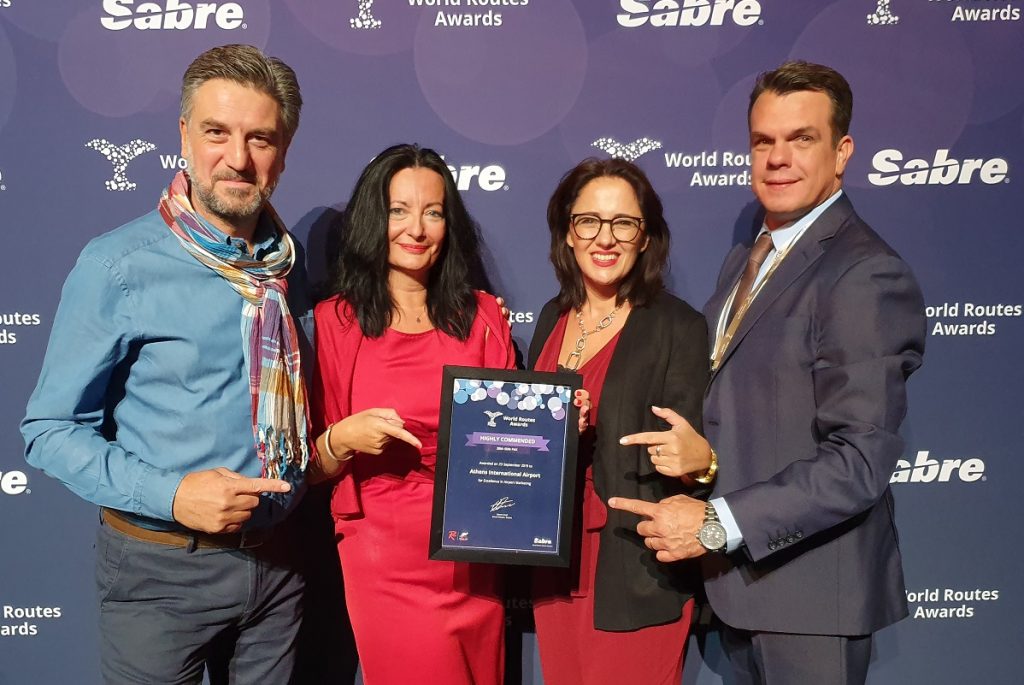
(370, 431)
(500, 301)
(582, 400)
(675, 452)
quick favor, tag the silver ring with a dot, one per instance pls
(657, 450)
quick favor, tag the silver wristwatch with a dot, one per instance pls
(712, 535)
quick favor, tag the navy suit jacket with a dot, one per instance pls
(804, 413)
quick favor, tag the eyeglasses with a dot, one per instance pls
(588, 226)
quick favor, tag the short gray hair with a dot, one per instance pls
(247, 66)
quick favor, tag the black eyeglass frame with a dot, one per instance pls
(611, 224)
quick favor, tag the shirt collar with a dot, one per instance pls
(265, 238)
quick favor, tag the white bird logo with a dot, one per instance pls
(491, 415)
(120, 156)
(365, 19)
(882, 16)
(628, 151)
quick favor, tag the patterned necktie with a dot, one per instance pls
(757, 256)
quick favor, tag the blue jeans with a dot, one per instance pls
(165, 611)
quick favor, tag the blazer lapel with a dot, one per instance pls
(802, 255)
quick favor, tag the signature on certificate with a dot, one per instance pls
(503, 503)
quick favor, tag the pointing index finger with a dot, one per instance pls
(650, 438)
(668, 415)
(255, 486)
(401, 434)
(635, 506)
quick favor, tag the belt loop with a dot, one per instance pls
(193, 541)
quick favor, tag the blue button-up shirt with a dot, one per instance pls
(144, 379)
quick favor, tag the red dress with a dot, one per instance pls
(415, 620)
(572, 651)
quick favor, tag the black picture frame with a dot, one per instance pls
(530, 516)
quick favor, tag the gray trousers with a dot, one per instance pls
(759, 658)
(166, 611)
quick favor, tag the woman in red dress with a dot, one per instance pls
(618, 615)
(403, 305)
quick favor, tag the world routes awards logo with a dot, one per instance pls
(963, 11)
(882, 16)
(364, 18)
(627, 151)
(447, 13)
(120, 156)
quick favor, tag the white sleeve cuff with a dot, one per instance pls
(734, 537)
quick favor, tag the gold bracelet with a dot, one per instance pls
(330, 453)
(709, 475)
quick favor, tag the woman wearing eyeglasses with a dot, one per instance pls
(618, 615)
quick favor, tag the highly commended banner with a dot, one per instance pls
(506, 470)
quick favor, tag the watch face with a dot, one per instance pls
(712, 536)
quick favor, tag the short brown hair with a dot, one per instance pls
(245, 65)
(645, 280)
(797, 75)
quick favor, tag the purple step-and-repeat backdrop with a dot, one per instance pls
(513, 93)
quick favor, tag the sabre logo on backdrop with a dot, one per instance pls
(469, 176)
(3, 186)
(364, 18)
(120, 156)
(926, 470)
(661, 13)
(627, 151)
(14, 483)
(940, 170)
(171, 15)
(882, 16)
(5, 3)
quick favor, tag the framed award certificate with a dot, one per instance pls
(505, 480)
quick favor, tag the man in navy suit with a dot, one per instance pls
(815, 328)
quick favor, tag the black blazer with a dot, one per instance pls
(661, 359)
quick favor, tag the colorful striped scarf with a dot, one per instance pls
(271, 348)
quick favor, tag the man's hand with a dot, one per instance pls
(219, 500)
(675, 452)
(669, 527)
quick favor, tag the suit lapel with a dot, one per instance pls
(808, 249)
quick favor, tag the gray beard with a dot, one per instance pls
(242, 208)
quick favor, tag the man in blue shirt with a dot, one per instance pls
(171, 394)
